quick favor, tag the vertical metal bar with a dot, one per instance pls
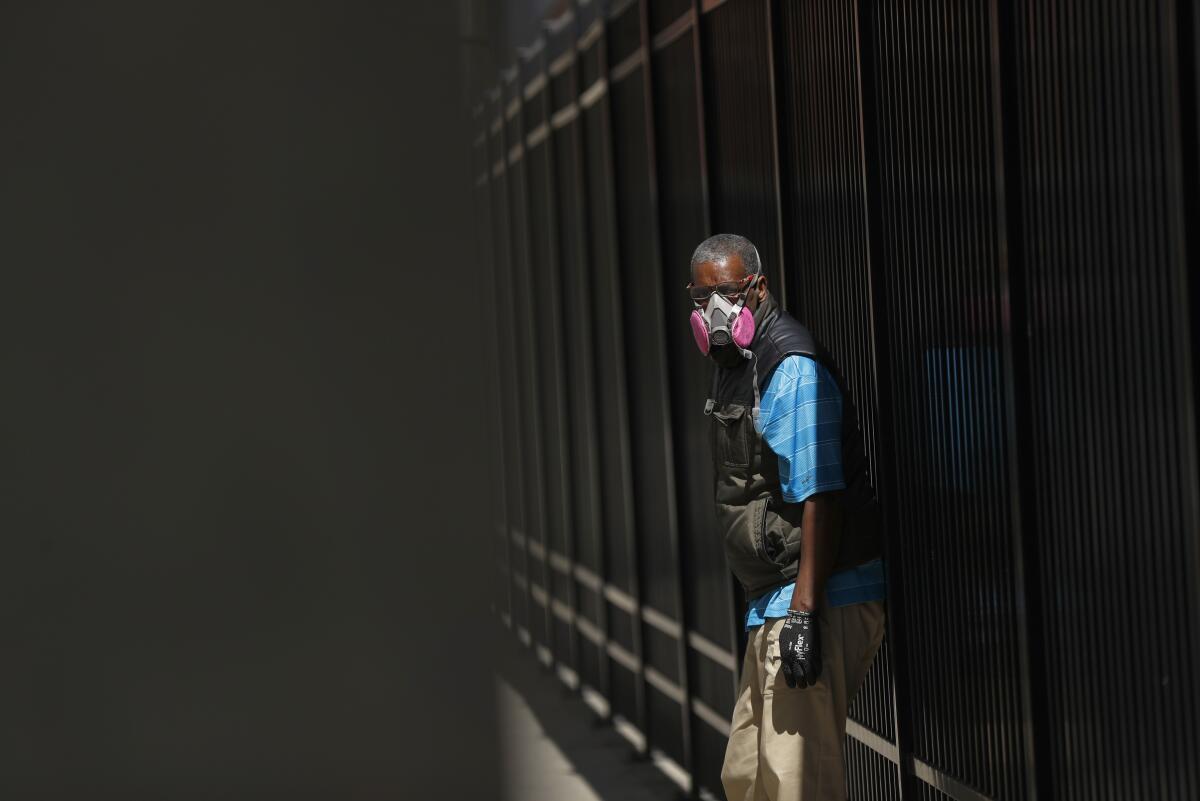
(513, 195)
(1186, 190)
(1188, 43)
(483, 250)
(656, 289)
(550, 230)
(579, 263)
(681, 594)
(737, 632)
(1018, 404)
(703, 146)
(502, 360)
(884, 441)
(486, 248)
(776, 178)
(497, 96)
(582, 266)
(626, 491)
(527, 232)
(635, 566)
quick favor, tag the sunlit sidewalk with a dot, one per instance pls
(552, 748)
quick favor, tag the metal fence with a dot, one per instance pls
(983, 209)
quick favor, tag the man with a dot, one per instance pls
(800, 526)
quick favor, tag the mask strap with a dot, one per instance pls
(741, 304)
(711, 403)
(753, 357)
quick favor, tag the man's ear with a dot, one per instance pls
(761, 286)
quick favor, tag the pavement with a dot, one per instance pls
(553, 746)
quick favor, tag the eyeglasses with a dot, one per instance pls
(728, 289)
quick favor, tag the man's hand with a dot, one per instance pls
(800, 637)
(800, 648)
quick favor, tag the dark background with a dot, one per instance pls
(240, 422)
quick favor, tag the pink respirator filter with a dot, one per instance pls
(700, 331)
(743, 328)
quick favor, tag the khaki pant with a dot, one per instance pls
(786, 743)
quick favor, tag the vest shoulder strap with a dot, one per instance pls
(783, 336)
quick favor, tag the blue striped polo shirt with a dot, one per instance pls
(800, 415)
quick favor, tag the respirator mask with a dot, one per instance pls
(724, 328)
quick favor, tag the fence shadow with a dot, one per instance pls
(598, 754)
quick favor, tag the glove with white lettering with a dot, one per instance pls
(800, 648)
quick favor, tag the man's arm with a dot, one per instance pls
(802, 423)
(800, 637)
(803, 420)
(822, 529)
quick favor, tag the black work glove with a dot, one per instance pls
(800, 648)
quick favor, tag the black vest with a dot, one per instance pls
(761, 532)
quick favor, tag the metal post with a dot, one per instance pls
(486, 249)
(884, 442)
(672, 499)
(547, 228)
(566, 27)
(1018, 404)
(605, 664)
(1187, 43)
(509, 153)
(630, 522)
(536, 519)
(777, 179)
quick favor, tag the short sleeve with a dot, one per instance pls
(801, 419)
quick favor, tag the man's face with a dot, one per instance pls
(730, 270)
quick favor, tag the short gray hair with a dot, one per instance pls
(720, 247)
